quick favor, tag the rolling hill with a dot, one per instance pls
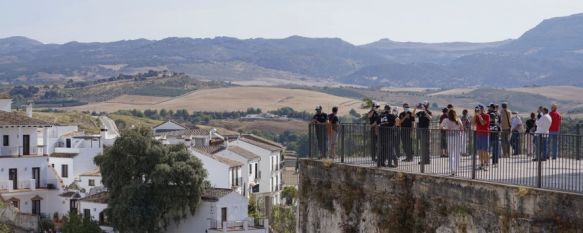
(233, 99)
(549, 54)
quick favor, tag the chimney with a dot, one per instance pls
(29, 110)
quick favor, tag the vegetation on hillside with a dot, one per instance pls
(143, 177)
(86, 122)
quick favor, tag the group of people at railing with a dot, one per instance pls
(491, 132)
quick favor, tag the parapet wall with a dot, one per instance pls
(348, 199)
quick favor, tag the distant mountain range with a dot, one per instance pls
(549, 54)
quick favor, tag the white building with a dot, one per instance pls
(40, 163)
(270, 165)
(250, 169)
(221, 210)
(222, 172)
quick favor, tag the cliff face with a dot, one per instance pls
(350, 199)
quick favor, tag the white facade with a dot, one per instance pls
(209, 215)
(95, 210)
(269, 177)
(6, 105)
(220, 174)
(249, 171)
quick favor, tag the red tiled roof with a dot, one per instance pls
(19, 119)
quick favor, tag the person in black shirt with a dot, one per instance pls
(407, 122)
(494, 134)
(530, 129)
(319, 121)
(373, 117)
(334, 125)
(388, 139)
(424, 117)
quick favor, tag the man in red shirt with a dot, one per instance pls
(554, 132)
(482, 121)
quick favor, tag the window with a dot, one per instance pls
(68, 143)
(250, 169)
(256, 173)
(87, 213)
(36, 206)
(91, 182)
(6, 140)
(64, 170)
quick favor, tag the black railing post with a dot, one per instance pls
(342, 143)
(539, 160)
(578, 142)
(310, 141)
(474, 154)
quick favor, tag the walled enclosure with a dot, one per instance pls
(348, 199)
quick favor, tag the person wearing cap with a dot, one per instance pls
(505, 126)
(407, 123)
(373, 118)
(515, 128)
(387, 138)
(319, 121)
(494, 134)
(554, 131)
(334, 125)
(482, 122)
(423, 118)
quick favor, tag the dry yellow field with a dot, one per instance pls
(562, 93)
(454, 91)
(233, 99)
(138, 99)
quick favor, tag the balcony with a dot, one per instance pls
(246, 226)
(27, 185)
(17, 151)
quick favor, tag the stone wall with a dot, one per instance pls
(348, 199)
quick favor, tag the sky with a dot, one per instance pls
(358, 22)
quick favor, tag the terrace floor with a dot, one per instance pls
(563, 174)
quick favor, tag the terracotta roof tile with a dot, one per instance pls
(214, 194)
(261, 142)
(102, 197)
(242, 152)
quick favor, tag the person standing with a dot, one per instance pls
(334, 126)
(494, 134)
(467, 122)
(505, 126)
(554, 131)
(443, 137)
(515, 128)
(388, 138)
(424, 117)
(454, 129)
(543, 124)
(373, 118)
(482, 121)
(407, 123)
(319, 121)
(529, 133)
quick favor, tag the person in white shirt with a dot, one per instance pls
(454, 131)
(543, 124)
(515, 128)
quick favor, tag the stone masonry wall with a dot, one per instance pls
(342, 198)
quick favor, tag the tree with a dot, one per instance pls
(149, 184)
(289, 193)
(77, 224)
(283, 219)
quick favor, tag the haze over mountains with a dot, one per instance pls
(549, 54)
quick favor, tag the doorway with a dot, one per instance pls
(13, 176)
(36, 176)
(26, 144)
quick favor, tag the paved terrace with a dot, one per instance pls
(561, 174)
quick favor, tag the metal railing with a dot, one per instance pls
(237, 225)
(549, 161)
(19, 151)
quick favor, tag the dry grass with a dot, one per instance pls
(454, 91)
(261, 125)
(239, 99)
(138, 99)
(86, 122)
(562, 93)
